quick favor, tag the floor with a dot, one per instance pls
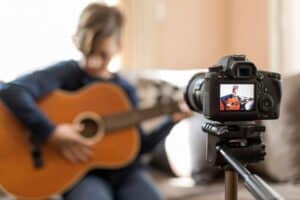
(214, 191)
(183, 189)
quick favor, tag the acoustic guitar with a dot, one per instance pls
(234, 104)
(108, 119)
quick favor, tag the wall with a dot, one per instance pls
(199, 32)
(249, 29)
(192, 34)
(195, 33)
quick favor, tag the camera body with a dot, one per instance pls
(234, 90)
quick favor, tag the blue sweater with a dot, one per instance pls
(21, 96)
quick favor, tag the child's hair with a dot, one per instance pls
(97, 21)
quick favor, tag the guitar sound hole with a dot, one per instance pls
(90, 128)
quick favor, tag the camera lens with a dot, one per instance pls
(193, 93)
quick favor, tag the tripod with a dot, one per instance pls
(232, 146)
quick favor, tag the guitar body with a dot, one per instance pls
(18, 175)
(234, 104)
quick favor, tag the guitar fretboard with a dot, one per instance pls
(136, 116)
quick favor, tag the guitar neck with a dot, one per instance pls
(136, 116)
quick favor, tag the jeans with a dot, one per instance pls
(136, 186)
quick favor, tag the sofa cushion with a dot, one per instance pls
(283, 135)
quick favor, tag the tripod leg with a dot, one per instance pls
(231, 185)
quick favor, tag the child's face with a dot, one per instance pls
(234, 92)
(104, 50)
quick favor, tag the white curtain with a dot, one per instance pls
(285, 36)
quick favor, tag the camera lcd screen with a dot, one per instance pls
(237, 97)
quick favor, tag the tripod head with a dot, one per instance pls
(243, 141)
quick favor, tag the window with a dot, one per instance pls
(35, 34)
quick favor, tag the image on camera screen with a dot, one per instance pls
(237, 97)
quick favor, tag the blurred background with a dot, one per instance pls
(184, 35)
(159, 33)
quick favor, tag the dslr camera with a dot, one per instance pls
(234, 90)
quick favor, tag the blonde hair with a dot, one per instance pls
(96, 22)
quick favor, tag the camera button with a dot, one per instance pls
(266, 103)
(260, 76)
